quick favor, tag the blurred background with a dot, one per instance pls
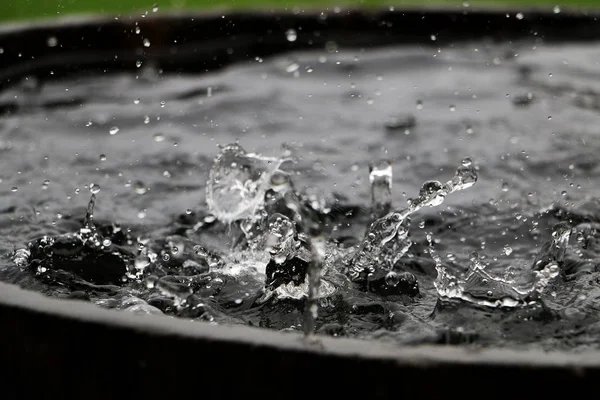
(27, 9)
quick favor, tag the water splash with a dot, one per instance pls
(386, 240)
(237, 183)
(479, 286)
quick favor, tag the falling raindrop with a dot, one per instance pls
(146, 42)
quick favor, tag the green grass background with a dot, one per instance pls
(27, 9)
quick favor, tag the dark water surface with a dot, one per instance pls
(527, 114)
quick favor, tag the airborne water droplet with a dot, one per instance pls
(106, 242)
(556, 10)
(158, 137)
(114, 130)
(52, 41)
(140, 188)
(45, 184)
(505, 186)
(94, 188)
(102, 157)
(291, 35)
(14, 189)
(146, 42)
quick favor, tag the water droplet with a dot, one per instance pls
(94, 188)
(563, 193)
(188, 211)
(466, 162)
(136, 101)
(45, 184)
(158, 137)
(556, 10)
(52, 41)
(114, 130)
(14, 189)
(141, 214)
(507, 250)
(155, 8)
(433, 38)
(106, 242)
(140, 188)
(146, 42)
(505, 186)
(549, 117)
(452, 108)
(102, 157)
(419, 105)
(166, 257)
(138, 63)
(291, 35)
(519, 15)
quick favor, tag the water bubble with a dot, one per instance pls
(519, 15)
(106, 242)
(433, 38)
(549, 117)
(452, 108)
(138, 63)
(188, 211)
(52, 41)
(166, 257)
(45, 184)
(291, 35)
(505, 186)
(14, 189)
(136, 101)
(146, 42)
(466, 162)
(155, 8)
(563, 193)
(114, 130)
(419, 105)
(102, 157)
(158, 137)
(507, 250)
(141, 214)
(94, 188)
(556, 10)
(392, 279)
